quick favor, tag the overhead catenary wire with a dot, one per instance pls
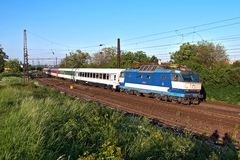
(179, 43)
(183, 34)
(67, 47)
(180, 29)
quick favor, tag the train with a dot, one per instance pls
(172, 85)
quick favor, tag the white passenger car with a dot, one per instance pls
(108, 77)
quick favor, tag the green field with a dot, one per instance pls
(40, 123)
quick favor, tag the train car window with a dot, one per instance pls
(91, 75)
(107, 76)
(148, 76)
(176, 77)
(163, 77)
(115, 77)
(85, 74)
(94, 75)
(104, 76)
(97, 75)
(100, 76)
(187, 77)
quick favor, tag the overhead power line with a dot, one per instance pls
(178, 43)
(232, 49)
(184, 34)
(46, 39)
(180, 29)
(61, 44)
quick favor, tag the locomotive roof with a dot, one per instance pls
(157, 70)
(154, 68)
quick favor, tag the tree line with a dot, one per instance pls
(106, 58)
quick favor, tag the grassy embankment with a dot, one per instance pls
(39, 123)
(227, 94)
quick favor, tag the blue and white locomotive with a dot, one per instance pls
(169, 85)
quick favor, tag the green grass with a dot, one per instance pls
(229, 94)
(9, 74)
(39, 123)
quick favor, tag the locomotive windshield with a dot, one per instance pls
(190, 77)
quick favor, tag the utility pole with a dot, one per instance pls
(118, 53)
(25, 52)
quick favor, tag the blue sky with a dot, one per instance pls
(64, 25)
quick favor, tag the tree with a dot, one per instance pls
(184, 54)
(211, 54)
(154, 60)
(134, 59)
(12, 66)
(76, 59)
(105, 58)
(141, 57)
(236, 64)
(2, 56)
(204, 53)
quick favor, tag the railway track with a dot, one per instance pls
(204, 119)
